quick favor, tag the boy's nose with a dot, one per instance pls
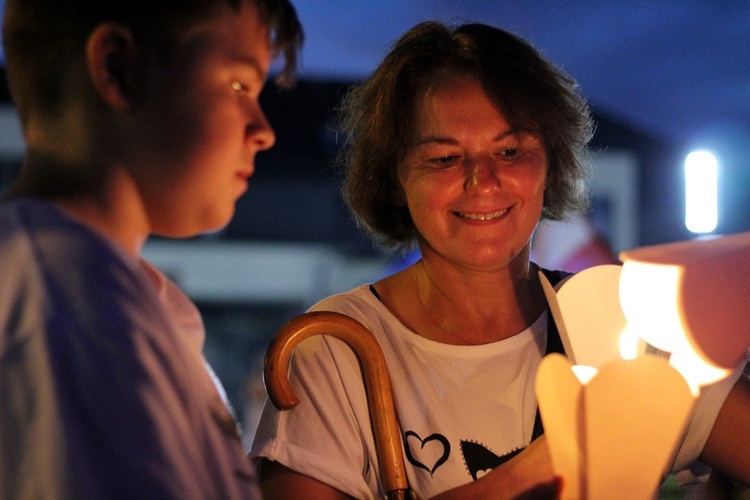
(260, 132)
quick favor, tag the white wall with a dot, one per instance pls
(220, 271)
(615, 179)
(11, 139)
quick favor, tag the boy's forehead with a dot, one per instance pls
(239, 35)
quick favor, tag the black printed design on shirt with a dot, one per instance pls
(428, 453)
(479, 460)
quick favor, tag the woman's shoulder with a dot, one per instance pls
(364, 305)
(555, 275)
(359, 303)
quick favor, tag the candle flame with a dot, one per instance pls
(629, 341)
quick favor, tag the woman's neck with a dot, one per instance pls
(464, 308)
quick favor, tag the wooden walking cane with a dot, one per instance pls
(377, 384)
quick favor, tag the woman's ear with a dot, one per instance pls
(398, 196)
(111, 60)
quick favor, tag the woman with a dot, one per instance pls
(460, 142)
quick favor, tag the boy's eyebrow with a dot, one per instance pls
(252, 63)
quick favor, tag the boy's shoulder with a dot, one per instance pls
(40, 228)
(45, 252)
(57, 272)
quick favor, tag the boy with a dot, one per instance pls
(139, 119)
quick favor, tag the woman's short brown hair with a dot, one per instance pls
(377, 118)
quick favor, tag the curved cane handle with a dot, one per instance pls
(377, 384)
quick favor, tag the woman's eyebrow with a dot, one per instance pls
(436, 139)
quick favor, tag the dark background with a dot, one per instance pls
(662, 77)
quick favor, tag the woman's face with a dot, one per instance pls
(473, 185)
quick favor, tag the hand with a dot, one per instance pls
(544, 491)
(526, 476)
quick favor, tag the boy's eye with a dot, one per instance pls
(239, 86)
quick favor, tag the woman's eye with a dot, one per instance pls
(508, 154)
(444, 160)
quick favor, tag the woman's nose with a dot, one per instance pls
(481, 176)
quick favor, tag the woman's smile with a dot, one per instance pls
(485, 216)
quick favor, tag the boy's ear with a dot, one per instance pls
(111, 61)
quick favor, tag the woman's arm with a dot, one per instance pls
(278, 482)
(728, 445)
(527, 475)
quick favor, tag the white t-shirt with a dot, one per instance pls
(451, 401)
(463, 410)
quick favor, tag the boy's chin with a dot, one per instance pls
(215, 231)
(205, 228)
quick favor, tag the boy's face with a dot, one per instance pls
(200, 124)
